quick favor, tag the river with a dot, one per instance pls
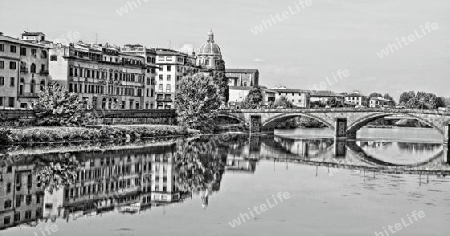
(386, 182)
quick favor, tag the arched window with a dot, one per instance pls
(33, 68)
(104, 103)
(32, 85)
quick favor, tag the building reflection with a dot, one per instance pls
(131, 181)
(21, 198)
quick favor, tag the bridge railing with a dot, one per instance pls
(345, 109)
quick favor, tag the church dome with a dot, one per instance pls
(210, 48)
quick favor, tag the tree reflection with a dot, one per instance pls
(55, 173)
(199, 165)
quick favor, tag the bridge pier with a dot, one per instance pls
(446, 144)
(340, 131)
(255, 124)
(339, 148)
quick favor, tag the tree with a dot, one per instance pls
(283, 102)
(421, 100)
(406, 96)
(57, 107)
(197, 103)
(375, 95)
(254, 98)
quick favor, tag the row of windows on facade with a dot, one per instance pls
(168, 78)
(23, 51)
(22, 84)
(9, 100)
(100, 89)
(97, 74)
(170, 58)
(25, 199)
(98, 57)
(23, 67)
(17, 217)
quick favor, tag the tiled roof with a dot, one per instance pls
(241, 70)
(325, 94)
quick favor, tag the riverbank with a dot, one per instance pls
(98, 133)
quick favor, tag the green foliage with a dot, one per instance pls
(254, 98)
(198, 101)
(282, 102)
(57, 107)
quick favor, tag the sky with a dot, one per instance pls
(311, 42)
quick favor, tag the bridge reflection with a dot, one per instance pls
(131, 181)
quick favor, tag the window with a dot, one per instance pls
(53, 58)
(27, 215)
(168, 88)
(2, 47)
(12, 65)
(2, 81)
(8, 185)
(169, 68)
(160, 88)
(23, 51)
(148, 81)
(13, 49)
(2, 65)
(11, 101)
(33, 68)
(44, 54)
(17, 217)
(33, 52)
(160, 77)
(6, 220)
(11, 81)
(8, 204)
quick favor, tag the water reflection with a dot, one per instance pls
(72, 185)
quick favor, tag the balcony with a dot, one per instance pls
(28, 95)
(23, 70)
(43, 72)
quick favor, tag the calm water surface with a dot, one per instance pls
(197, 187)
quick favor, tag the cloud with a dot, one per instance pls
(186, 48)
(259, 60)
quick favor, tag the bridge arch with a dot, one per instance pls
(272, 122)
(358, 124)
(232, 117)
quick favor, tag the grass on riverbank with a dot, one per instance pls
(75, 134)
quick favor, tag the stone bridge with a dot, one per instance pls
(344, 121)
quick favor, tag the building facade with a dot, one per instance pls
(380, 102)
(172, 66)
(357, 99)
(149, 56)
(326, 98)
(298, 97)
(102, 76)
(242, 77)
(24, 72)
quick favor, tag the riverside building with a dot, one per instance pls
(101, 75)
(24, 70)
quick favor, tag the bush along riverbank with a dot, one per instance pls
(78, 134)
